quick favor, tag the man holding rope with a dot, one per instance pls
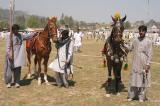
(140, 73)
(15, 56)
(62, 65)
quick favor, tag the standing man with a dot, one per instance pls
(13, 64)
(140, 73)
(62, 65)
(77, 40)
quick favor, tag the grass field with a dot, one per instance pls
(86, 86)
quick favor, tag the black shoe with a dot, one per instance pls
(66, 86)
(59, 86)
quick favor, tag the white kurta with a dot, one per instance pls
(18, 47)
(58, 64)
(142, 52)
(78, 39)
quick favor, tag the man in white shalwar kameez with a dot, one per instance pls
(62, 65)
(77, 40)
(140, 73)
(14, 67)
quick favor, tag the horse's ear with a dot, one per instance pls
(124, 18)
(55, 17)
(114, 20)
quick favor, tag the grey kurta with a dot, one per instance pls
(58, 65)
(142, 53)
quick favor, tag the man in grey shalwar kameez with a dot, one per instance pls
(13, 68)
(140, 73)
(62, 65)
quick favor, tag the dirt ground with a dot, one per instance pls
(86, 89)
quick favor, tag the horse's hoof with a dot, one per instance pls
(108, 95)
(28, 76)
(47, 83)
(118, 94)
(66, 86)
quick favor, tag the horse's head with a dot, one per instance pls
(118, 28)
(52, 28)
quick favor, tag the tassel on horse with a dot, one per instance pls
(103, 54)
(104, 62)
(125, 66)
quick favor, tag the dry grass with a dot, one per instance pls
(87, 81)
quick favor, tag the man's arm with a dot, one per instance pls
(70, 51)
(27, 36)
(129, 46)
(149, 54)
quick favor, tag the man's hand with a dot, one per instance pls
(10, 55)
(66, 62)
(147, 68)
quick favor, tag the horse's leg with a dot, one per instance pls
(109, 65)
(29, 64)
(117, 69)
(35, 65)
(39, 69)
(45, 70)
(120, 74)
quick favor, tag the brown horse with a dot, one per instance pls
(115, 52)
(40, 46)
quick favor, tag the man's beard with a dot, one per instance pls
(141, 38)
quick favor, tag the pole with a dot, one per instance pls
(148, 12)
(11, 13)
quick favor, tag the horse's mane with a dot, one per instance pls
(111, 36)
(46, 27)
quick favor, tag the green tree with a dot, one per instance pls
(61, 21)
(3, 24)
(42, 22)
(20, 20)
(66, 20)
(127, 25)
(33, 22)
(71, 22)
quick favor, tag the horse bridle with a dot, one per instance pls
(115, 45)
(50, 34)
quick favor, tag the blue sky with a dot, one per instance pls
(90, 10)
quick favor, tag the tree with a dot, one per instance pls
(32, 22)
(61, 21)
(71, 22)
(20, 20)
(127, 25)
(3, 24)
(43, 22)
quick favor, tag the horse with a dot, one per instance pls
(40, 46)
(115, 52)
